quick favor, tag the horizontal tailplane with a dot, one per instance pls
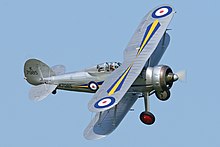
(35, 72)
(40, 92)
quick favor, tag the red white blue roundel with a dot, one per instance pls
(93, 86)
(105, 102)
(162, 12)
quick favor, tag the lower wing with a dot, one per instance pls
(107, 121)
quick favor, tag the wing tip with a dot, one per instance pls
(162, 11)
(92, 136)
(89, 134)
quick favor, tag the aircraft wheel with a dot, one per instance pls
(163, 95)
(147, 118)
(54, 92)
(93, 86)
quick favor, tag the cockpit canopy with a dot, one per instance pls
(108, 66)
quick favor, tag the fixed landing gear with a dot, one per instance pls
(147, 117)
(54, 92)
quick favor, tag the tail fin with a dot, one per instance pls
(35, 71)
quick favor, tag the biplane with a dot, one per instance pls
(116, 86)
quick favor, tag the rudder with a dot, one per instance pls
(35, 70)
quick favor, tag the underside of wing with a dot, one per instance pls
(105, 122)
(140, 48)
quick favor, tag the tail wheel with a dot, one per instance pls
(93, 86)
(147, 118)
(54, 92)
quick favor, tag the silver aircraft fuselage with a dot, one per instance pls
(79, 81)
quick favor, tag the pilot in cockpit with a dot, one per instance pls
(108, 66)
(112, 67)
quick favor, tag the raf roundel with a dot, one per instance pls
(105, 102)
(93, 86)
(162, 12)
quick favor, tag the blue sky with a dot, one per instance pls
(80, 34)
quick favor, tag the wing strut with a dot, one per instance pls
(114, 118)
(100, 115)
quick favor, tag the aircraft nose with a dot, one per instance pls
(175, 77)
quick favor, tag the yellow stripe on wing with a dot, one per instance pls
(150, 31)
(148, 36)
(112, 91)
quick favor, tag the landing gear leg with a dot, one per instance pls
(146, 101)
(147, 117)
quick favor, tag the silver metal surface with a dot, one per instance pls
(131, 59)
(138, 76)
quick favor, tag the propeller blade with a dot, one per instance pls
(181, 75)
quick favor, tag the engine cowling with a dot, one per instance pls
(161, 77)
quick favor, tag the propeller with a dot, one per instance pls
(181, 75)
(172, 77)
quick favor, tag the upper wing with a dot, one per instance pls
(139, 49)
(105, 122)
